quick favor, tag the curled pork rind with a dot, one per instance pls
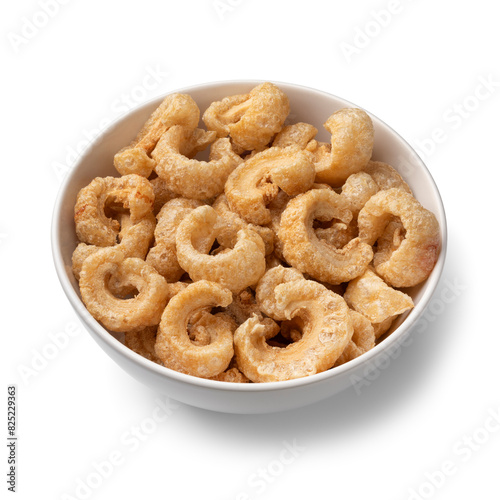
(306, 252)
(163, 255)
(327, 329)
(176, 109)
(173, 345)
(371, 296)
(134, 241)
(412, 258)
(131, 192)
(351, 146)
(255, 183)
(191, 178)
(235, 268)
(116, 314)
(251, 120)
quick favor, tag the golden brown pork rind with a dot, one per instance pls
(116, 314)
(188, 177)
(371, 296)
(255, 183)
(176, 109)
(414, 258)
(250, 120)
(297, 134)
(351, 146)
(327, 329)
(131, 192)
(173, 345)
(306, 252)
(163, 255)
(235, 268)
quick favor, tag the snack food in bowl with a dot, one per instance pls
(267, 275)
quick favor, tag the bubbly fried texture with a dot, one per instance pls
(351, 146)
(176, 109)
(327, 329)
(235, 268)
(116, 314)
(280, 257)
(402, 262)
(173, 345)
(131, 192)
(250, 120)
(306, 252)
(371, 296)
(193, 178)
(163, 255)
(256, 182)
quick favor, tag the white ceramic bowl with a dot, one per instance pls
(307, 105)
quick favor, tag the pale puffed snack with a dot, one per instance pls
(280, 257)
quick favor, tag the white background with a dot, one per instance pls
(422, 69)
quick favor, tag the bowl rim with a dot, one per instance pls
(394, 339)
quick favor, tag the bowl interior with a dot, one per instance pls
(307, 105)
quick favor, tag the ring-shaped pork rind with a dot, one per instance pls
(134, 241)
(235, 268)
(251, 120)
(173, 345)
(163, 255)
(133, 192)
(413, 260)
(327, 329)
(352, 146)
(255, 183)
(122, 315)
(306, 252)
(371, 296)
(176, 109)
(191, 178)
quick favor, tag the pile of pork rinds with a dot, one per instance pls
(278, 258)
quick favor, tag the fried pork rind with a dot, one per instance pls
(122, 315)
(234, 268)
(251, 120)
(407, 259)
(191, 178)
(134, 241)
(351, 146)
(163, 255)
(264, 294)
(363, 338)
(298, 134)
(230, 223)
(306, 252)
(386, 176)
(255, 183)
(142, 342)
(173, 345)
(131, 192)
(371, 296)
(176, 109)
(327, 329)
